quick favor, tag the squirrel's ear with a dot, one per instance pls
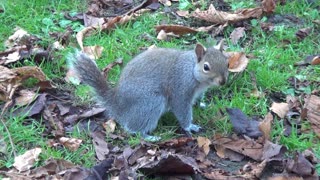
(220, 45)
(200, 51)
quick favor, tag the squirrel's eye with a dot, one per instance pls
(206, 67)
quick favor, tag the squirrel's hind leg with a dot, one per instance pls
(143, 116)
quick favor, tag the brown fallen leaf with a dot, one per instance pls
(183, 13)
(51, 167)
(312, 105)
(281, 109)
(92, 20)
(108, 25)
(254, 170)
(294, 102)
(92, 112)
(271, 150)
(73, 118)
(72, 144)
(165, 2)
(109, 126)
(219, 17)
(36, 107)
(55, 124)
(175, 29)
(11, 79)
(268, 6)
(110, 66)
(236, 34)
(301, 166)
(265, 126)
(12, 56)
(285, 176)
(162, 35)
(22, 45)
(310, 155)
(228, 154)
(248, 148)
(242, 125)
(204, 143)
(100, 145)
(238, 61)
(94, 52)
(26, 161)
(15, 39)
(220, 174)
(136, 154)
(25, 97)
(91, 29)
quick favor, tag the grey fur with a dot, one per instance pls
(154, 82)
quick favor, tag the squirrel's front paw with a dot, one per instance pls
(193, 127)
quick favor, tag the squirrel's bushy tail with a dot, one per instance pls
(89, 74)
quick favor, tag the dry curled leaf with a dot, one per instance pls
(271, 150)
(248, 148)
(94, 52)
(265, 126)
(100, 145)
(162, 35)
(183, 13)
(71, 143)
(109, 126)
(181, 30)
(228, 154)
(26, 161)
(176, 29)
(243, 125)
(11, 79)
(253, 170)
(312, 105)
(165, 2)
(108, 25)
(281, 109)
(236, 34)
(25, 97)
(238, 61)
(219, 17)
(301, 166)
(204, 143)
(16, 37)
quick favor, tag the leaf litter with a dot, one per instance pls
(250, 147)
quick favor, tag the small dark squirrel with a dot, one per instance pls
(154, 82)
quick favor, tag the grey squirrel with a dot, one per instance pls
(154, 82)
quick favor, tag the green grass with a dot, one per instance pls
(272, 65)
(27, 134)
